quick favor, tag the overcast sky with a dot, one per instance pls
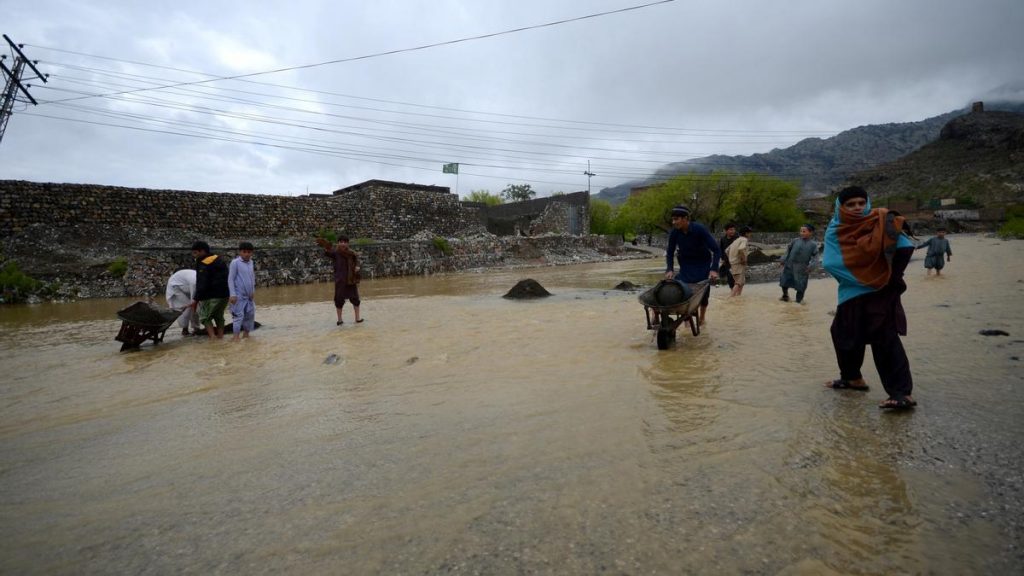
(628, 91)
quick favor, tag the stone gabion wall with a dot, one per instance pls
(380, 213)
(149, 269)
(556, 219)
(387, 213)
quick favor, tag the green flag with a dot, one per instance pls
(452, 168)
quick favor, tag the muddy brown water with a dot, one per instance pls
(456, 431)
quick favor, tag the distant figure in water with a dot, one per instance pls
(242, 286)
(867, 253)
(723, 245)
(797, 263)
(346, 275)
(938, 252)
(181, 289)
(736, 254)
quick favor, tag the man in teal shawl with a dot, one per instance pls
(867, 253)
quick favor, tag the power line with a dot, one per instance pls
(391, 52)
(665, 130)
(13, 85)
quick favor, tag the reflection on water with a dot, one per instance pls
(458, 431)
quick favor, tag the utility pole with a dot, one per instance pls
(589, 175)
(13, 83)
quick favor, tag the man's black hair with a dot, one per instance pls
(852, 192)
(200, 245)
(729, 225)
(246, 246)
(342, 238)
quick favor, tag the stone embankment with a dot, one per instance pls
(80, 267)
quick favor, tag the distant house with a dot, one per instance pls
(385, 185)
(561, 214)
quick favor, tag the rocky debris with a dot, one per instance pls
(626, 285)
(147, 314)
(671, 293)
(424, 236)
(993, 333)
(756, 256)
(527, 289)
(332, 359)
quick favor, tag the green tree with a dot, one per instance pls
(767, 204)
(601, 213)
(485, 197)
(710, 198)
(518, 192)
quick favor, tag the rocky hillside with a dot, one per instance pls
(978, 159)
(820, 165)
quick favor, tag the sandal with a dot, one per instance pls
(898, 404)
(846, 385)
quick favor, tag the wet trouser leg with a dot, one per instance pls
(799, 295)
(850, 360)
(892, 365)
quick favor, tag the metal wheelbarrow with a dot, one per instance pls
(669, 304)
(144, 321)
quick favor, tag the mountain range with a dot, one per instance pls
(819, 164)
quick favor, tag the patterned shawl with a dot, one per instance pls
(859, 249)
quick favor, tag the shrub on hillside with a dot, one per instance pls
(15, 284)
(442, 245)
(1014, 228)
(118, 268)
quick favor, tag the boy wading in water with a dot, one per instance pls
(938, 252)
(866, 252)
(797, 262)
(242, 285)
(346, 275)
(736, 256)
(212, 291)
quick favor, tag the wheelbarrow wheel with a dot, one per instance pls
(665, 337)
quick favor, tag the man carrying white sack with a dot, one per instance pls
(180, 289)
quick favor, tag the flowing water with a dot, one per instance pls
(455, 431)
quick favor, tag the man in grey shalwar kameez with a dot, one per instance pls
(938, 252)
(797, 262)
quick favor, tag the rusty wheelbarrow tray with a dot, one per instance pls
(144, 321)
(666, 316)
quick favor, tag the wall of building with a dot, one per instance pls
(565, 213)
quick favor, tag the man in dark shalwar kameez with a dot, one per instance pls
(346, 275)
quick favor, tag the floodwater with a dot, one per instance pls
(461, 432)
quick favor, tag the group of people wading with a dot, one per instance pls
(203, 293)
(866, 251)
